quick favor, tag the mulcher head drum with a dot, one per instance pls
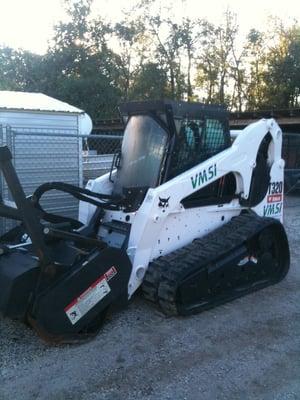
(73, 307)
(60, 281)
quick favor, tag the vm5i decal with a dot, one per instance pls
(274, 199)
(204, 176)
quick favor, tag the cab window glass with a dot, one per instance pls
(214, 134)
(196, 141)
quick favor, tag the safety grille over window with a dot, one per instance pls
(197, 140)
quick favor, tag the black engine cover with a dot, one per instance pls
(77, 299)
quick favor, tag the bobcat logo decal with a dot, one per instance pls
(164, 203)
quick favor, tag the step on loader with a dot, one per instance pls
(190, 212)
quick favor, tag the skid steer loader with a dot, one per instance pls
(188, 212)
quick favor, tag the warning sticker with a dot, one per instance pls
(90, 297)
(110, 273)
(274, 198)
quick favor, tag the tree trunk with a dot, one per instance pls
(189, 85)
(172, 77)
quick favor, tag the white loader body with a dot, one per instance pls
(162, 224)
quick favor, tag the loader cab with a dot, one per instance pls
(163, 139)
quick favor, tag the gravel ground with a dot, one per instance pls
(247, 349)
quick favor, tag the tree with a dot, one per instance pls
(167, 35)
(152, 53)
(256, 57)
(150, 83)
(130, 35)
(217, 59)
(282, 75)
(163, 33)
(207, 68)
(9, 76)
(20, 70)
(189, 37)
(75, 32)
(79, 65)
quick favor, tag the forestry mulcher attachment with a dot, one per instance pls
(189, 212)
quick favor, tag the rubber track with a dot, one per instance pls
(165, 273)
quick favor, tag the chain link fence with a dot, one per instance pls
(98, 152)
(44, 155)
(62, 155)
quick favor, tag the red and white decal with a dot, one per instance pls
(274, 198)
(90, 297)
(110, 273)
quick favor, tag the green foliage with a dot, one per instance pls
(256, 52)
(282, 76)
(218, 62)
(150, 83)
(152, 54)
(274, 79)
(19, 70)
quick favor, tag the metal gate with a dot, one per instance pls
(61, 155)
(43, 155)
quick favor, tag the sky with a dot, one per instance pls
(28, 24)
